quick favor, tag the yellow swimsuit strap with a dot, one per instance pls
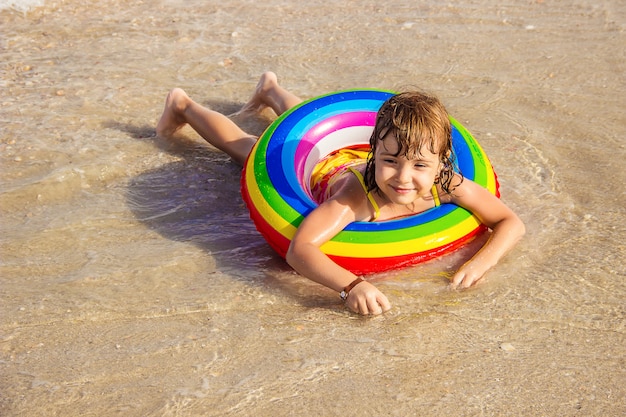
(369, 195)
(435, 194)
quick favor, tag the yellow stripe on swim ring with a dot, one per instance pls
(405, 247)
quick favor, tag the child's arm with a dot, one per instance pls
(507, 230)
(321, 225)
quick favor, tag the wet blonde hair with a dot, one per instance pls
(416, 119)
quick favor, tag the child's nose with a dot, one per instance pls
(404, 174)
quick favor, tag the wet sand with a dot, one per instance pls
(133, 283)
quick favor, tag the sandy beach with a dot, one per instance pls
(133, 283)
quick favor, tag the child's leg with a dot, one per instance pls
(214, 127)
(269, 93)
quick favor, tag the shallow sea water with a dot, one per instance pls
(132, 281)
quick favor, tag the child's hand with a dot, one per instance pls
(366, 299)
(506, 230)
(467, 276)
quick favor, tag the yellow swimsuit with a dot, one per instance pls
(329, 170)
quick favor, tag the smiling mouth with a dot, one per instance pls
(402, 190)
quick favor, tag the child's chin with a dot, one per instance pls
(404, 199)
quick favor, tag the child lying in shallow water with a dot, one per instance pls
(409, 171)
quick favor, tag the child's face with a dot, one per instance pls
(403, 180)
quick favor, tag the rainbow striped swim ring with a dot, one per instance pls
(275, 185)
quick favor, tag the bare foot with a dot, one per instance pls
(172, 119)
(258, 102)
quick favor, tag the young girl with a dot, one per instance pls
(409, 170)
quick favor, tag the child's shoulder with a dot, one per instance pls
(456, 184)
(469, 195)
(458, 188)
(350, 192)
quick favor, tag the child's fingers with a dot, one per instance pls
(384, 303)
(366, 306)
(373, 307)
(363, 307)
(372, 302)
(378, 304)
(459, 278)
(357, 305)
(463, 279)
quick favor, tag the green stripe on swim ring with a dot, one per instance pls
(276, 175)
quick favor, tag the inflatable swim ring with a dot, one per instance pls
(275, 185)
